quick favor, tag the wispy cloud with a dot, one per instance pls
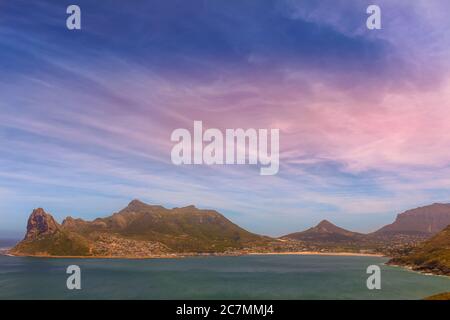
(85, 120)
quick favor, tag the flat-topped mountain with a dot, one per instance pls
(431, 256)
(325, 231)
(427, 220)
(137, 230)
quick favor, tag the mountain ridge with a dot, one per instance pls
(147, 230)
(138, 229)
(426, 220)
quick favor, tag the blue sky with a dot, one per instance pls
(86, 116)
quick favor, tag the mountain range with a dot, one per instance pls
(139, 230)
(143, 230)
(410, 226)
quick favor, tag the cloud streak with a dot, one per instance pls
(364, 117)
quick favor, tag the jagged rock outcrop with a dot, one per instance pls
(40, 224)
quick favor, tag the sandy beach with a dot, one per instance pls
(321, 253)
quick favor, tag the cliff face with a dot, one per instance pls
(427, 220)
(40, 224)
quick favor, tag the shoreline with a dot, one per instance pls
(320, 253)
(414, 269)
(188, 255)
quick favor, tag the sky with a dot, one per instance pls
(86, 115)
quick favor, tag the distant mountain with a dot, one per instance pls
(427, 221)
(325, 231)
(7, 243)
(431, 256)
(137, 230)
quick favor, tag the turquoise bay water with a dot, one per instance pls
(244, 277)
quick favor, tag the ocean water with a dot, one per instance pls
(243, 277)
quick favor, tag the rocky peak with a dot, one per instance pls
(139, 206)
(324, 231)
(136, 204)
(325, 224)
(70, 222)
(40, 223)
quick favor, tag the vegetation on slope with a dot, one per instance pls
(60, 243)
(432, 256)
(138, 230)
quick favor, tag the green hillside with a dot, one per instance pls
(60, 243)
(432, 256)
(138, 230)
